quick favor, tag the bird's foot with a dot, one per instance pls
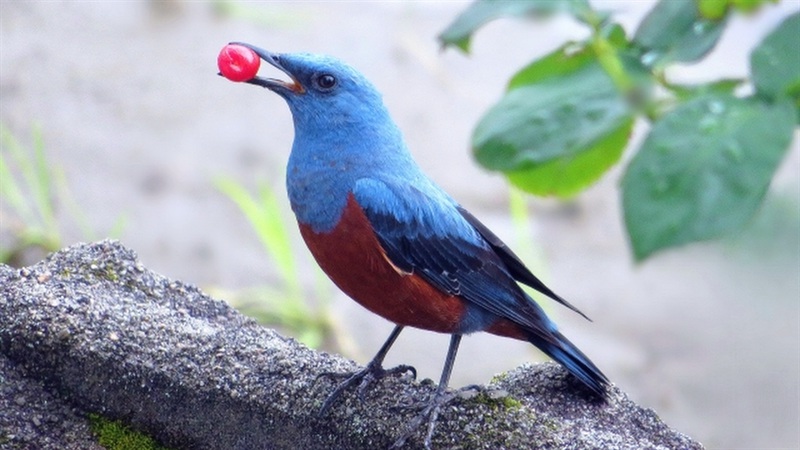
(429, 414)
(363, 377)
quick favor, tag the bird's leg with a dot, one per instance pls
(373, 371)
(440, 398)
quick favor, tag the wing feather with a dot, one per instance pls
(515, 266)
(432, 237)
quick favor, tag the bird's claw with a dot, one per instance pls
(364, 377)
(430, 413)
(379, 373)
(400, 369)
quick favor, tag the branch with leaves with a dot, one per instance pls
(710, 153)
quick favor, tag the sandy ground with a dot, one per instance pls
(132, 110)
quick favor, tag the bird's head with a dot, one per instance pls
(322, 91)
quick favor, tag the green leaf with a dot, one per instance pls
(775, 63)
(480, 12)
(724, 86)
(716, 9)
(614, 33)
(713, 9)
(557, 107)
(703, 170)
(564, 61)
(674, 31)
(568, 175)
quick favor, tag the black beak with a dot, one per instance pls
(273, 84)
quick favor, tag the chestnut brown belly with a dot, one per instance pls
(353, 258)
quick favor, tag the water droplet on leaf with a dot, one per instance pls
(700, 27)
(716, 107)
(650, 57)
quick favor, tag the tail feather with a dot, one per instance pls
(579, 365)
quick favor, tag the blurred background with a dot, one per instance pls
(142, 141)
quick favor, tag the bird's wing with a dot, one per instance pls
(426, 234)
(514, 265)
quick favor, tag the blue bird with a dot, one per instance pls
(393, 240)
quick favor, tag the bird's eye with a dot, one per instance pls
(326, 82)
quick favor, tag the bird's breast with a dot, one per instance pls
(351, 255)
(317, 197)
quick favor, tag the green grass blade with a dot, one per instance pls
(265, 216)
(61, 185)
(24, 163)
(42, 185)
(9, 186)
(276, 232)
(10, 191)
(116, 230)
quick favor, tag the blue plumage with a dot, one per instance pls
(350, 172)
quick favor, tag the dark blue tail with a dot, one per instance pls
(556, 346)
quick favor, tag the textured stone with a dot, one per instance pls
(94, 329)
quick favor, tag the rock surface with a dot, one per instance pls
(90, 329)
(32, 417)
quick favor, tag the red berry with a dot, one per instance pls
(238, 63)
